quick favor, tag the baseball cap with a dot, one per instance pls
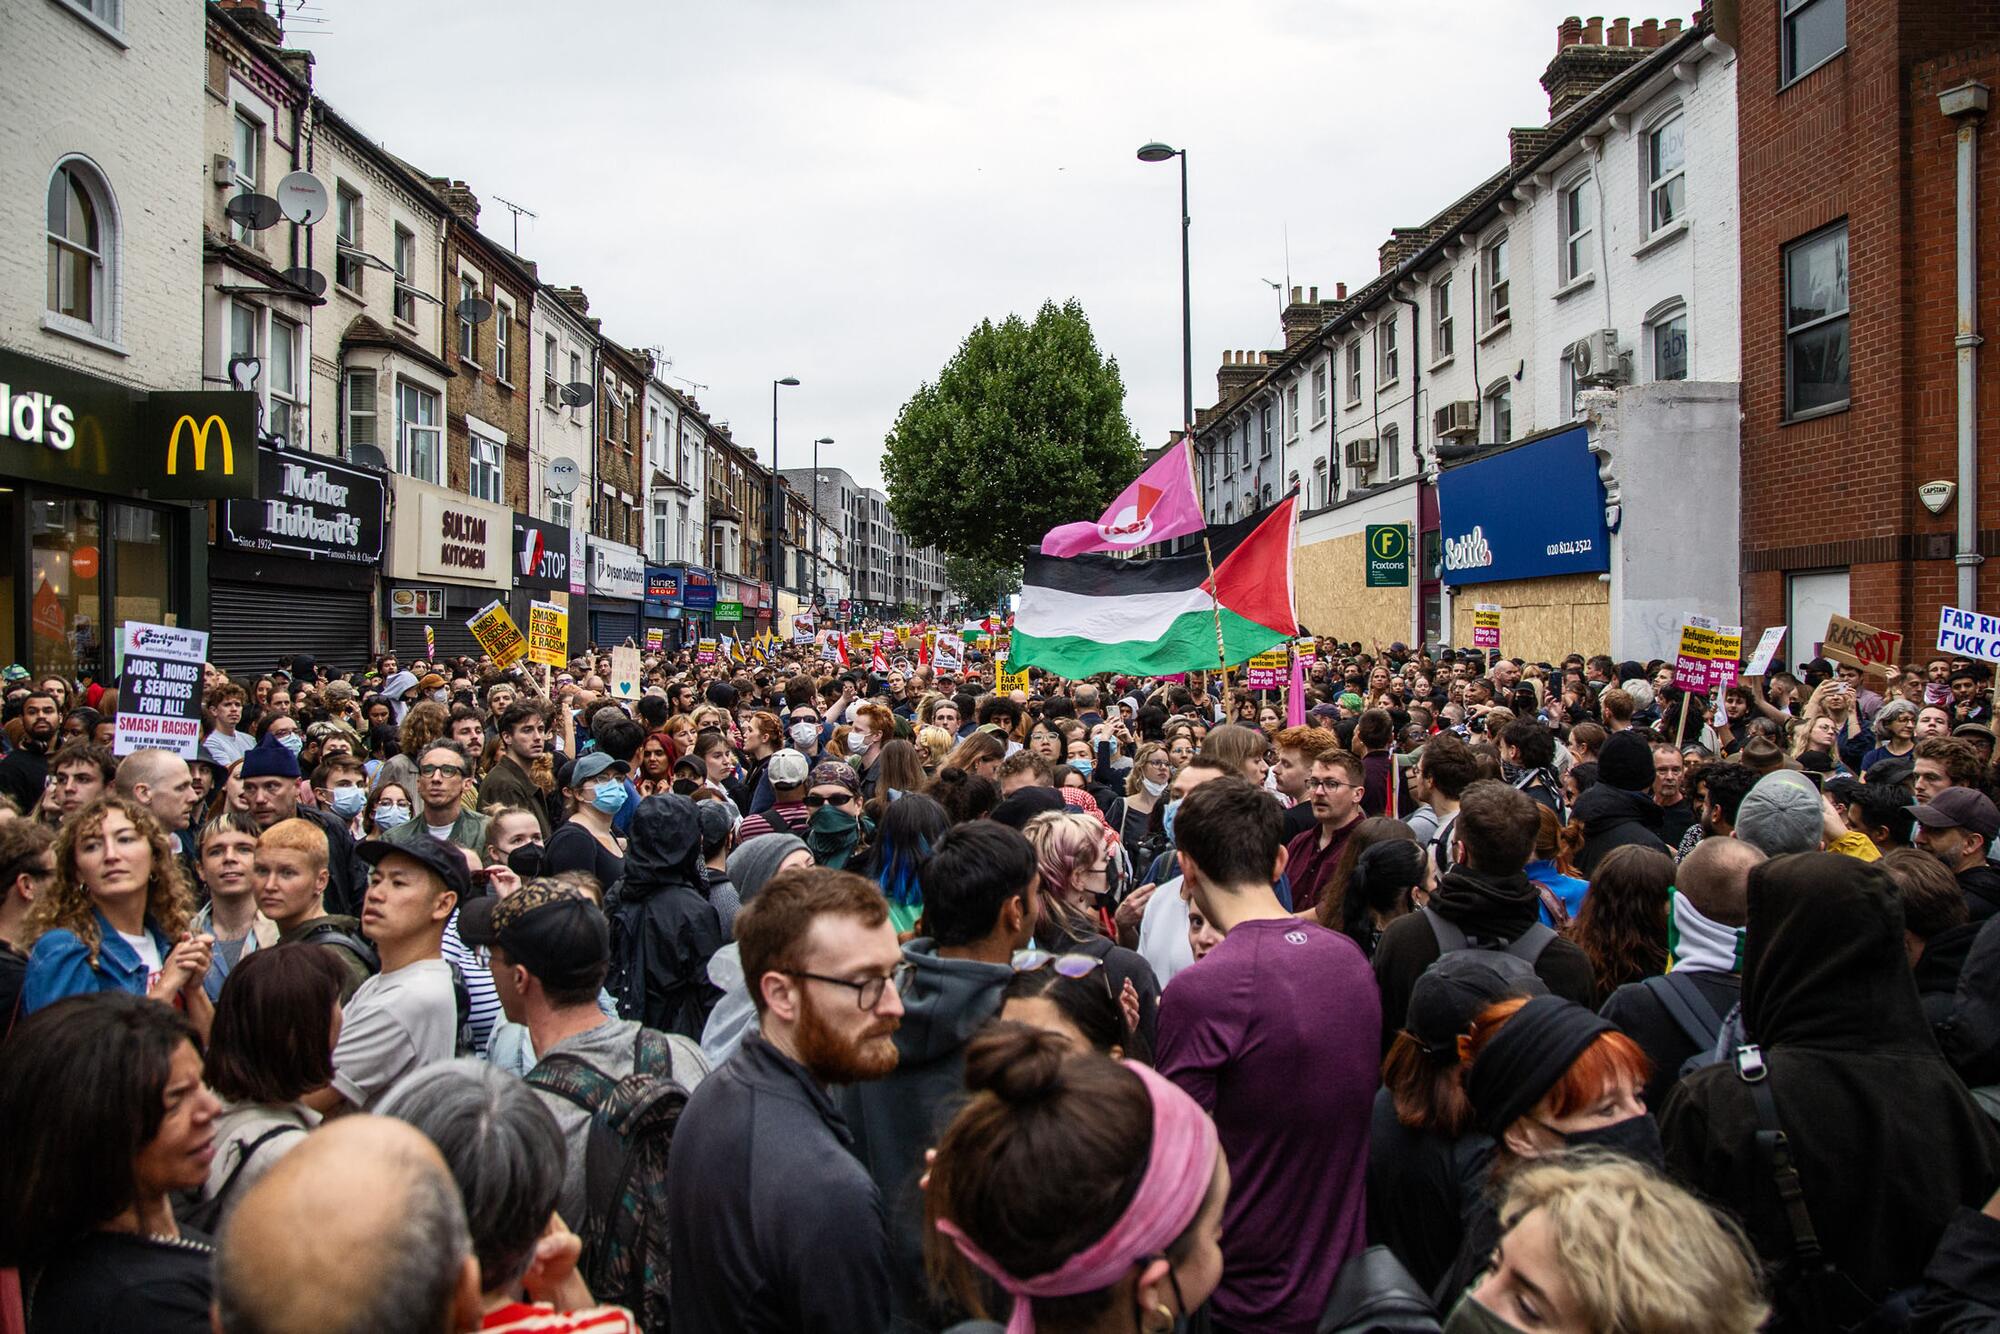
(13, 672)
(551, 929)
(444, 860)
(593, 764)
(787, 768)
(1960, 808)
(1980, 730)
(1449, 994)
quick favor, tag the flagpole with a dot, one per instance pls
(1214, 601)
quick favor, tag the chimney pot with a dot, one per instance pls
(1618, 33)
(1340, 291)
(1649, 34)
(1314, 298)
(1569, 32)
(1296, 294)
(1593, 31)
(1671, 29)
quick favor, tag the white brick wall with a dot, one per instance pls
(558, 431)
(133, 106)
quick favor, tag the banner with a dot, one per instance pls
(548, 634)
(159, 689)
(949, 655)
(497, 634)
(625, 673)
(1726, 657)
(1968, 634)
(828, 652)
(656, 638)
(1697, 650)
(704, 652)
(1308, 652)
(1266, 671)
(1859, 644)
(1767, 649)
(1005, 681)
(1486, 625)
(802, 628)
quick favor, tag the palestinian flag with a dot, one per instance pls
(1083, 615)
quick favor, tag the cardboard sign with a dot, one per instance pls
(1486, 625)
(1767, 649)
(656, 638)
(1267, 671)
(1005, 681)
(548, 634)
(802, 629)
(1968, 634)
(499, 638)
(159, 689)
(704, 652)
(949, 655)
(625, 673)
(1859, 644)
(1697, 650)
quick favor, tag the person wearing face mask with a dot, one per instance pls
(872, 726)
(1133, 815)
(1544, 1076)
(434, 689)
(584, 842)
(388, 807)
(340, 785)
(836, 832)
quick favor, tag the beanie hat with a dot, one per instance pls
(268, 759)
(1781, 814)
(1626, 762)
(753, 864)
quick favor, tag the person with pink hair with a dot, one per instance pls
(1076, 856)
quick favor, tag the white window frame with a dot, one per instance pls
(503, 340)
(404, 289)
(1843, 316)
(1263, 432)
(1389, 452)
(350, 225)
(1660, 183)
(468, 332)
(246, 316)
(249, 175)
(408, 462)
(1789, 13)
(1574, 228)
(1388, 360)
(551, 397)
(1657, 323)
(1354, 372)
(562, 512)
(354, 414)
(104, 263)
(284, 403)
(1497, 405)
(1320, 495)
(486, 468)
(105, 17)
(1322, 397)
(1442, 347)
(660, 549)
(1566, 391)
(1496, 282)
(1291, 412)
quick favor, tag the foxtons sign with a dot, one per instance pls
(314, 508)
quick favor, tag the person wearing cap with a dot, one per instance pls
(1619, 812)
(837, 832)
(548, 948)
(788, 813)
(1426, 1158)
(270, 777)
(1958, 826)
(406, 1016)
(664, 930)
(1783, 812)
(597, 792)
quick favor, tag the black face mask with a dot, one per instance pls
(1636, 1137)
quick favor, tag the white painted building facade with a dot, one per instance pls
(561, 351)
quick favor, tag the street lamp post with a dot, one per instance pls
(775, 520)
(1159, 152)
(823, 440)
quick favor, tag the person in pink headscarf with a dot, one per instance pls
(1088, 1191)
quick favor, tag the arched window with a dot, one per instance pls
(83, 238)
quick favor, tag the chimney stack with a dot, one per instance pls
(574, 298)
(1569, 32)
(1239, 370)
(1619, 31)
(252, 15)
(1593, 32)
(1340, 291)
(458, 197)
(1585, 63)
(1302, 318)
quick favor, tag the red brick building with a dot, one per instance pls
(487, 404)
(1850, 397)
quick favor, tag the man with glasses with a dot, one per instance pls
(27, 867)
(442, 772)
(773, 1222)
(1335, 792)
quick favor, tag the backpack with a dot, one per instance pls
(1686, 1006)
(626, 1260)
(1374, 1293)
(1527, 947)
(325, 932)
(1441, 843)
(205, 1216)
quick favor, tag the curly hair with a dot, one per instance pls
(67, 903)
(423, 724)
(1622, 925)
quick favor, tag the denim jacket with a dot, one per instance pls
(59, 965)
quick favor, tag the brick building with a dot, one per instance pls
(487, 404)
(1850, 397)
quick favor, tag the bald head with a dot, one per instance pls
(359, 1228)
(1715, 877)
(160, 781)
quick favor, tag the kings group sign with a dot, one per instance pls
(1524, 512)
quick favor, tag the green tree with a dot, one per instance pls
(981, 582)
(1023, 429)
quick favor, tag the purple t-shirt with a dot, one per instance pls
(1277, 1032)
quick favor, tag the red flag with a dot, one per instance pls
(840, 647)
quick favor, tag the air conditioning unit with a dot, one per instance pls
(1460, 418)
(1595, 360)
(223, 173)
(1360, 453)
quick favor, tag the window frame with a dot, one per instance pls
(349, 207)
(106, 317)
(405, 428)
(404, 291)
(1788, 15)
(1658, 183)
(562, 511)
(349, 412)
(503, 340)
(1291, 412)
(1442, 347)
(1322, 389)
(1388, 356)
(1814, 325)
(1571, 199)
(468, 332)
(485, 458)
(245, 182)
(1667, 313)
(1354, 372)
(1497, 404)
(1263, 431)
(288, 399)
(551, 396)
(1496, 282)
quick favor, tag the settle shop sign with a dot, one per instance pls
(71, 429)
(1526, 512)
(314, 508)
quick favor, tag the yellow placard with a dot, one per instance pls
(497, 634)
(1005, 681)
(548, 634)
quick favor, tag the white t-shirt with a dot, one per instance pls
(148, 951)
(397, 1022)
(441, 832)
(1163, 932)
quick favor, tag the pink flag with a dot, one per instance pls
(1295, 698)
(1160, 504)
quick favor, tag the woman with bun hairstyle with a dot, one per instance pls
(1088, 1191)
(1389, 880)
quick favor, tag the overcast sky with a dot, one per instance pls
(841, 189)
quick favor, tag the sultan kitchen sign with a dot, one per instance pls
(313, 508)
(443, 537)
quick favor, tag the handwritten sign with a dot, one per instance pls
(1486, 625)
(497, 634)
(1859, 644)
(1767, 649)
(1968, 634)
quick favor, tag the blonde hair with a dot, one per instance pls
(1135, 781)
(1639, 1252)
(1063, 841)
(297, 835)
(935, 743)
(67, 906)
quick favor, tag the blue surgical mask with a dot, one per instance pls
(1167, 817)
(348, 801)
(388, 817)
(609, 798)
(294, 743)
(1081, 766)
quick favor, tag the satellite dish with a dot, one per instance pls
(302, 198)
(312, 280)
(578, 393)
(256, 212)
(474, 310)
(368, 455)
(564, 475)
(243, 371)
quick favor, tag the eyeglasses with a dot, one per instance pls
(1069, 965)
(816, 800)
(433, 770)
(868, 991)
(1329, 784)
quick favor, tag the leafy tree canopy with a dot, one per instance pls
(981, 582)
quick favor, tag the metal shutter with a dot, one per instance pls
(255, 627)
(608, 629)
(453, 639)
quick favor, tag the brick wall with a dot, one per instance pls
(498, 396)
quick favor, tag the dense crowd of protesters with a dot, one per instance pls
(1461, 992)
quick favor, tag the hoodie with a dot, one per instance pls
(1615, 818)
(663, 928)
(395, 691)
(895, 1118)
(1886, 1140)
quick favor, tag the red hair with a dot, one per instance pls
(1595, 1069)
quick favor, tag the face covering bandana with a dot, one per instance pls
(1153, 789)
(1470, 1317)
(609, 798)
(805, 736)
(388, 817)
(294, 743)
(348, 801)
(831, 836)
(1636, 1137)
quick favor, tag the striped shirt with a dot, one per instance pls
(541, 1318)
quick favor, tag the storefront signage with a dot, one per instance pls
(548, 634)
(69, 428)
(456, 539)
(313, 508)
(1525, 512)
(1387, 555)
(579, 563)
(497, 634)
(616, 571)
(663, 586)
(698, 590)
(159, 689)
(728, 611)
(416, 604)
(541, 555)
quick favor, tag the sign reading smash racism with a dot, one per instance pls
(159, 689)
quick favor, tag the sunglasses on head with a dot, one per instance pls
(815, 800)
(1069, 965)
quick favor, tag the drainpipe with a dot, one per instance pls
(1966, 104)
(1417, 459)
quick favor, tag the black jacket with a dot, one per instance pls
(1886, 1140)
(774, 1224)
(1635, 1010)
(1962, 1282)
(1420, 1188)
(346, 874)
(1493, 907)
(895, 1118)
(24, 773)
(1981, 884)
(1615, 818)
(1970, 1036)
(1937, 971)
(508, 784)
(663, 928)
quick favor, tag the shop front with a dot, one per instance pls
(449, 555)
(617, 593)
(756, 607)
(294, 571)
(96, 521)
(541, 567)
(1523, 530)
(698, 602)
(663, 608)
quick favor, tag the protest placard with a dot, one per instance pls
(656, 638)
(624, 673)
(499, 638)
(1486, 625)
(548, 634)
(159, 689)
(1725, 656)
(1697, 650)
(1859, 644)
(949, 655)
(1005, 681)
(704, 652)
(1767, 649)
(1267, 671)
(1968, 634)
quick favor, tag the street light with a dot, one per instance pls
(1159, 152)
(823, 440)
(775, 515)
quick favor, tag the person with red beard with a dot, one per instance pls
(774, 1224)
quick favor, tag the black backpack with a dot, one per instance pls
(1527, 947)
(205, 1216)
(626, 1256)
(1684, 1003)
(328, 932)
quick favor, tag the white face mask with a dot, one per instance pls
(1153, 789)
(858, 743)
(805, 736)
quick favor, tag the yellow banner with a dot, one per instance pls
(497, 634)
(1004, 680)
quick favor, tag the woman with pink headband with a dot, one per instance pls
(1089, 1191)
